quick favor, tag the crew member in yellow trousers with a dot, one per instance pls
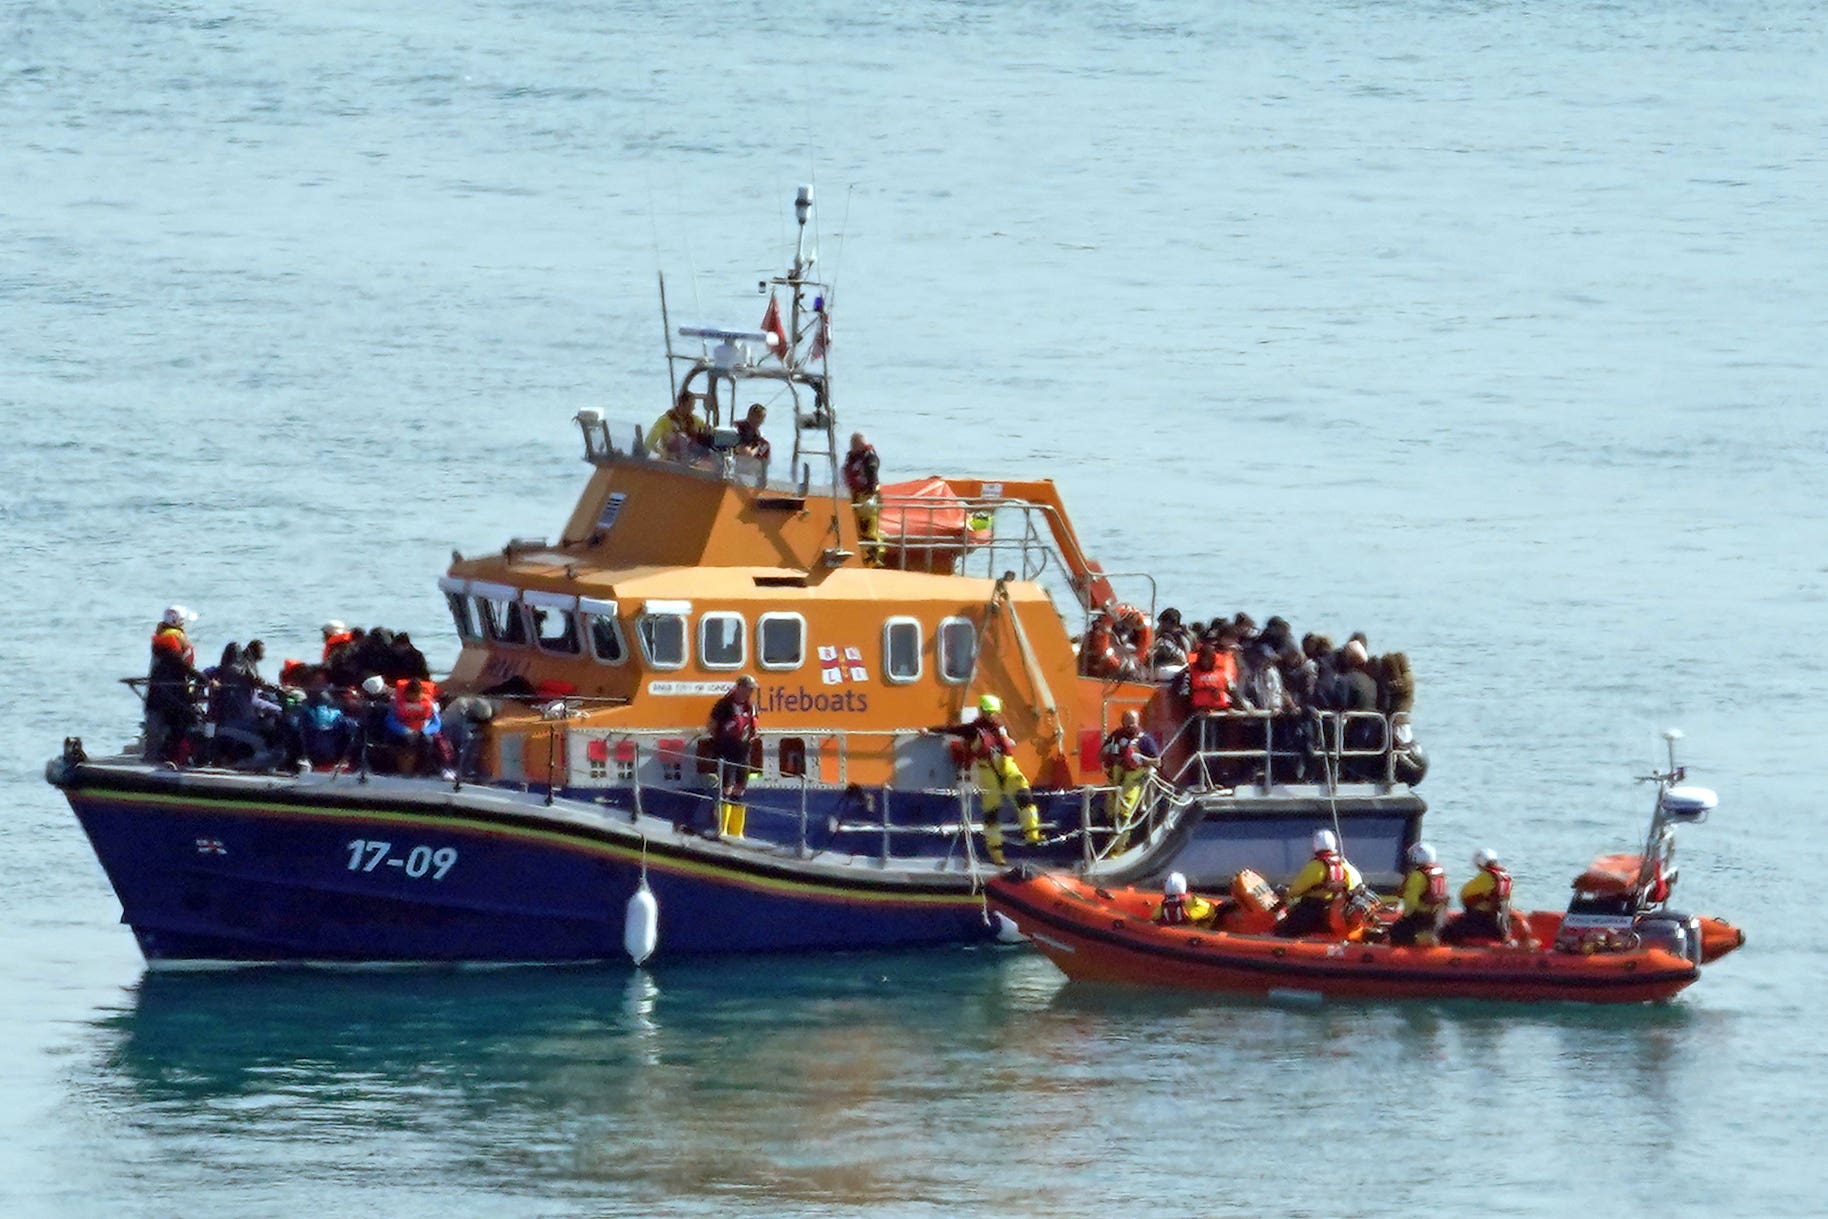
(1130, 756)
(998, 778)
(732, 735)
(863, 477)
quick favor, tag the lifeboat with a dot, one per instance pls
(572, 803)
(1634, 950)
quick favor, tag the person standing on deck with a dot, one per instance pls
(998, 778)
(732, 728)
(863, 476)
(1130, 756)
(170, 711)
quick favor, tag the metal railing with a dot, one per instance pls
(720, 465)
(1220, 747)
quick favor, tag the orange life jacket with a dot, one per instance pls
(174, 642)
(1098, 654)
(1208, 687)
(333, 642)
(415, 713)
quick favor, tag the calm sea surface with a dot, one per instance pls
(1495, 330)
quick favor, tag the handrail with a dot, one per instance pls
(1331, 745)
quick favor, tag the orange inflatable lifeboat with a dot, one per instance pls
(1110, 935)
(1618, 942)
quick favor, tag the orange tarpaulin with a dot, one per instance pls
(923, 510)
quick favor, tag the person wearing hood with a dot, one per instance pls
(171, 681)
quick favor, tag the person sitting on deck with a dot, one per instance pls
(324, 734)
(414, 727)
(679, 434)
(171, 711)
(732, 729)
(1180, 908)
(1487, 901)
(1321, 885)
(998, 777)
(863, 478)
(749, 439)
(1130, 756)
(1424, 898)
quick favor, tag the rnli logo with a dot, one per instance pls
(835, 669)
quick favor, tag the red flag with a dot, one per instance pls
(775, 328)
(822, 340)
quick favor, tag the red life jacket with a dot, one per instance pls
(1207, 687)
(991, 740)
(333, 642)
(1434, 891)
(415, 714)
(738, 721)
(1173, 911)
(857, 475)
(1335, 883)
(1498, 898)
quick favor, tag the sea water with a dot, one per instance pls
(1493, 330)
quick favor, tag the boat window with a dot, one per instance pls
(720, 641)
(780, 641)
(957, 650)
(502, 620)
(901, 650)
(792, 756)
(463, 616)
(606, 638)
(663, 640)
(556, 630)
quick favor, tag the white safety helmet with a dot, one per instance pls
(336, 626)
(1421, 853)
(1325, 840)
(1175, 885)
(177, 615)
(375, 685)
(1484, 856)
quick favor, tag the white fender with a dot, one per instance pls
(1006, 930)
(641, 925)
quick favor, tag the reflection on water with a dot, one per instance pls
(768, 1084)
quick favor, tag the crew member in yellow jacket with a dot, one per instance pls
(1322, 882)
(998, 778)
(1180, 908)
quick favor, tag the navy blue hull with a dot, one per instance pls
(247, 868)
(239, 880)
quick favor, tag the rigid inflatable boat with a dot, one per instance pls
(1618, 942)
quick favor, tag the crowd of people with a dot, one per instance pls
(1230, 664)
(367, 703)
(1328, 898)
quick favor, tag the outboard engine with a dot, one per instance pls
(1675, 933)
